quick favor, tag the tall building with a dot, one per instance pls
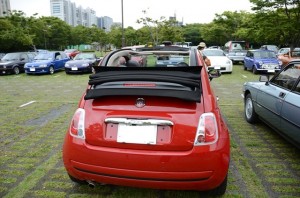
(105, 23)
(72, 15)
(4, 7)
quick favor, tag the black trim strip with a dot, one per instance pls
(144, 179)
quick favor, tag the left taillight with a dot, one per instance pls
(77, 124)
(207, 131)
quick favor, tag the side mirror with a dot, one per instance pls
(264, 78)
(214, 73)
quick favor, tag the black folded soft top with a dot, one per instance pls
(174, 82)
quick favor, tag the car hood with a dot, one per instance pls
(255, 85)
(266, 60)
(79, 62)
(38, 62)
(215, 60)
(8, 62)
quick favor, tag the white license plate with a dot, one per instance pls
(74, 68)
(137, 134)
(217, 67)
(239, 54)
(31, 69)
(271, 70)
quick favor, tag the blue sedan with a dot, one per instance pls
(261, 61)
(47, 62)
(276, 102)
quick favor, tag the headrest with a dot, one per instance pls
(132, 63)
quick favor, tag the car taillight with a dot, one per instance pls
(77, 124)
(207, 131)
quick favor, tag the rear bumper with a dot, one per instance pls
(236, 58)
(79, 70)
(6, 70)
(38, 71)
(202, 168)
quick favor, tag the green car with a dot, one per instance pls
(276, 102)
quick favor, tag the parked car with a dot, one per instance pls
(47, 62)
(170, 60)
(72, 52)
(218, 60)
(270, 47)
(82, 63)
(1, 55)
(236, 50)
(214, 47)
(285, 55)
(152, 126)
(276, 102)
(261, 61)
(14, 62)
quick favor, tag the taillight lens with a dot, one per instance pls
(207, 131)
(77, 124)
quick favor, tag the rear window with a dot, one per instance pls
(238, 46)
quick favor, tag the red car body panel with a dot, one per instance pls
(174, 162)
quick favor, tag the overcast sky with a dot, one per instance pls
(188, 11)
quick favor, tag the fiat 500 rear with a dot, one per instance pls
(164, 133)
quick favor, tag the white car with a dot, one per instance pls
(219, 60)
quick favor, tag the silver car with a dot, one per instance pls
(276, 102)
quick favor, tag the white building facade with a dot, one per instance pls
(4, 7)
(72, 15)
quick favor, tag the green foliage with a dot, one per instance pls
(272, 22)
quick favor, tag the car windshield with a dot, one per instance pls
(11, 57)
(296, 52)
(238, 46)
(69, 51)
(152, 57)
(273, 48)
(84, 56)
(44, 56)
(264, 54)
(213, 53)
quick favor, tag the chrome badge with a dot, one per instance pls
(140, 103)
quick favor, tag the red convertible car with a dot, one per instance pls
(152, 126)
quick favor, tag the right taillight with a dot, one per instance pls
(77, 124)
(207, 131)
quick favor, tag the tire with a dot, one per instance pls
(254, 70)
(250, 114)
(245, 68)
(220, 190)
(16, 70)
(51, 70)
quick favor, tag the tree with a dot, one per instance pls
(14, 32)
(192, 33)
(280, 19)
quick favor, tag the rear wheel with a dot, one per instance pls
(250, 113)
(16, 70)
(220, 190)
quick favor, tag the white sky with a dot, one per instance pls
(190, 11)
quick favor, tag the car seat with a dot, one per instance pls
(132, 63)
